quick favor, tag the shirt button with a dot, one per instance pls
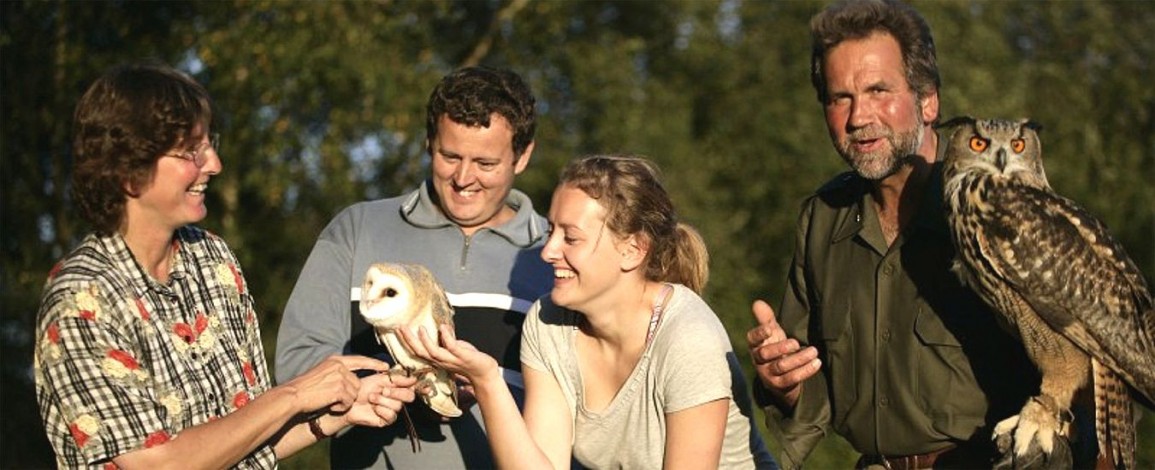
(886, 335)
(888, 269)
(884, 402)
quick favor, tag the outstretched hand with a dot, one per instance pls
(780, 361)
(331, 385)
(456, 356)
(380, 399)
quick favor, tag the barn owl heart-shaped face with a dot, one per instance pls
(387, 298)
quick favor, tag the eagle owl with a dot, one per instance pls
(1066, 287)
(407, 295)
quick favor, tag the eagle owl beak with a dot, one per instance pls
(1001, 159)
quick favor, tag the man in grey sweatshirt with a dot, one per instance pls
(481, 239)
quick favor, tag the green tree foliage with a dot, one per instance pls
(321, 104)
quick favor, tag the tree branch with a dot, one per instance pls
(481, 49)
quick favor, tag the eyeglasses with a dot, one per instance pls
(199, 154)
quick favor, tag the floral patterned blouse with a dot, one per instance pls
(124, 362)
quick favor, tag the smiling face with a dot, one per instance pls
(874, 117)
(175, 196)
(473, 171)
(584, 253)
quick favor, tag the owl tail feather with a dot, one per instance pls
(1114, 417)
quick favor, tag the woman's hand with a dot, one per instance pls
(380, 399)
(331, 385)
(455, 356)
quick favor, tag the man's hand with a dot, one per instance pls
(781, 363)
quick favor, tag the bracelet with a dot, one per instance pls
(315, 428)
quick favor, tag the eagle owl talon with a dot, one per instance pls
(1003, 434)
(1034, 438)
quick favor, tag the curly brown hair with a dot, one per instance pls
(124, 123)
(471, 95)
(636, 203)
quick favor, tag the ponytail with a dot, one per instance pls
(689, 260)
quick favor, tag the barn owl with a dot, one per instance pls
(1063, 284)
(407, 296)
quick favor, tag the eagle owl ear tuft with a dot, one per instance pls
(1032, 125)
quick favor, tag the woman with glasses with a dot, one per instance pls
(148, 350)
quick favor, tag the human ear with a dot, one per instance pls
(522, 161)
(633, 250)
(131, 189)
(928, 106)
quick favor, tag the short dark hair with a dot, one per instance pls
(123, 124)
(470, 95)
(858, 19)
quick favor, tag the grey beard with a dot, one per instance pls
(901, 155)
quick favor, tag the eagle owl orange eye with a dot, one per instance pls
(978, 144)
(1018, 145)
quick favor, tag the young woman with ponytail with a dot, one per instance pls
(625, 365)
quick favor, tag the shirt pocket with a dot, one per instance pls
(943, 371)
(838, 358)
(931, 331)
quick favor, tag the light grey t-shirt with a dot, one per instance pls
(689, 362)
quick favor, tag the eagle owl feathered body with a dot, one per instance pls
(407, 295)
(1063, 284)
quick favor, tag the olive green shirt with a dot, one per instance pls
(911, 359)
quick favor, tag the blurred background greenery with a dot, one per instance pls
(320, 104)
